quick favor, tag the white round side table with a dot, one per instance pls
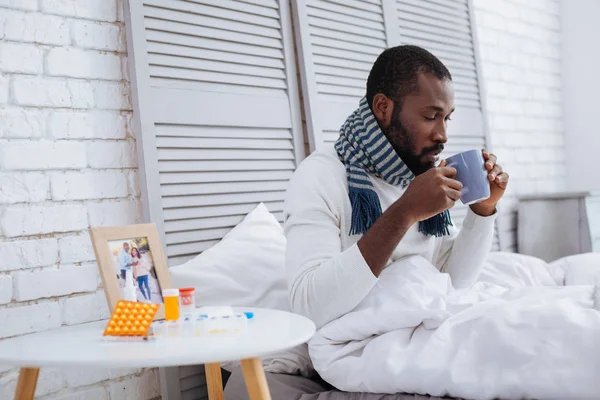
(268, 332)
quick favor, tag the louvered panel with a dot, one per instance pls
(179, 226)
(222, 132)
(193, 237)
(201, 20)
(414, 12)
(217, 113)
(222, 143)
(323, 32)
(208, 76)
(248, 165)
(323, 54)
(244, 7)
(156, 48)
(343, 10)
(223, 187)
(193, 154)
(196, 86)
(229, 171)
(220, 12)
(358, 5)
(216, 66)
(181, 28)
(346, 38)
(458, 8)
(192, 382)
(203, 43)
(264, 3)
(425, 20)
(227, 221)
(321, 44)
(330, 136)
(236, 176)
(443, 27)
(356, 32)
(172, 25)
(220, 199)
(442, 34)
(336, 61)
(220, 210)
(344, 19)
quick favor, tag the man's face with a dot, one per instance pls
(417, 127)
(126, 247)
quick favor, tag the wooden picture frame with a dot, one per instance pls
(103, 238)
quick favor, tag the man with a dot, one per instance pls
(125, 262)
(379, 197)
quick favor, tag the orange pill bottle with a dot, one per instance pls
(171, 299)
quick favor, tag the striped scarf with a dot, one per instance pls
(364, 150)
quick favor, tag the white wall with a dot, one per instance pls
(67, 162)
(581, 88)
(521, 63)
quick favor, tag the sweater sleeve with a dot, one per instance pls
(462, 253)
(324, 281)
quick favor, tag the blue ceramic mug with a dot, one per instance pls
(471, 172)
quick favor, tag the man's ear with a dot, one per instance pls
(383, 108)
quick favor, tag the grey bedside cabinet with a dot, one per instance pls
(552, 226)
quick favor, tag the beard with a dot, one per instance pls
(403, 143)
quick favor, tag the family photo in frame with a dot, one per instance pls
(133, 250)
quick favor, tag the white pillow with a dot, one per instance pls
(246, 269)
(578, 269)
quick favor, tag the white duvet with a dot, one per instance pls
(518, 333)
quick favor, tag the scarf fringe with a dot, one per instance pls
(436, 225)
(366, 209)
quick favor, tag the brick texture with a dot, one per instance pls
(39, 220)
(18, 123)
(87, 125)
(23, 187)
(88, 185)
(6, 290)
(519, 43)
(25, 254)
(67, 157)
(32, 285)
(21, 58)
(29, 318)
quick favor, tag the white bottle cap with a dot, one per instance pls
(170, 292)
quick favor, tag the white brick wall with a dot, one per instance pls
(519, 43)
(67, 158)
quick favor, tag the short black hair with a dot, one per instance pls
(396, 70)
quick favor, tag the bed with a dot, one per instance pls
(294, 387)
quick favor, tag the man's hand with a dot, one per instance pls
(431, 193)
(498, 183)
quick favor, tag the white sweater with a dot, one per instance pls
(327, 274)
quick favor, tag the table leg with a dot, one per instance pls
(256, 382)
(214, 381)
(26, 385)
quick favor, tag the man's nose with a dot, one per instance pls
(440, 133)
